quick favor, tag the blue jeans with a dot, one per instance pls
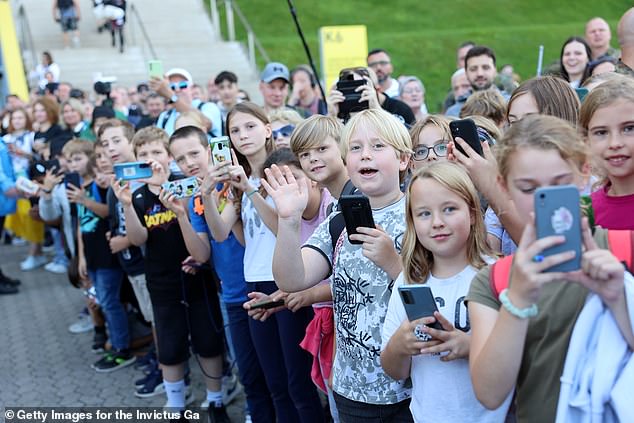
(107, 283)
(359, 412)
(58, 246)
(251, 375)
(285, 364)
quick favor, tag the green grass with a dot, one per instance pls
(422, 35)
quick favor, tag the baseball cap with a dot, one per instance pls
(273, 71)
(181, 72)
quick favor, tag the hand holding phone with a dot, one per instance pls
(182, 188)
(132, 170)
(419, 302)
(356, 212)
(72, 178)
(220, 150)
(155, 69)
(467, 130)
(267, 305)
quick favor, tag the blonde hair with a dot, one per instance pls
(488, 125)
(602, 96)
(285, 115)
(78, 146)
(75, 104)
(487, 103)
(417, 260)
(541, 132)
(197, 117)
(313, 131)
(439, 121)
(150, 134)
(390, 129)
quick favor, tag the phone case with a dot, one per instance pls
(72, 178)
(155, 68)
(419, 302)
(558, 212)
(132, 170)
(220, 150)
(26, 185)
(467, 130)
(356, 212)
(182, 188)
(266, 305)
(351, 103)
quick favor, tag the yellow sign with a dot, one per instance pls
(11, 58)
(341, 47)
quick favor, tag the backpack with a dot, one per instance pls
(620, 243)
(337, 223)
(168, 115)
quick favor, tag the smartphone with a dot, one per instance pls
(266, 305)
(582, 92)
(220, 150)
(182, 188)
(558, 212)
(26, 185)
(132, 170)
(356, 212)
(466, 129)
(419, 302)
(155, 69)
(72, 178)
(351, 103)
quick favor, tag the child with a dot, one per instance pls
(509, 350)
(182, 306)
(286, 366)
(283, 123)
(606, 121)
(189, 147)
(444, 247)
(377, 149)
(430, 137)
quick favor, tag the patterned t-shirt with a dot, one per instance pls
(361, 293)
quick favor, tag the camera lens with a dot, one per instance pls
(542, 195)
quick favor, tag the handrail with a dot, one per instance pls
(26, 39)
(146, 37)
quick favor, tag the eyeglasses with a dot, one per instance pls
(421, 152)
(284, 131)
(181, 85)
(379, 63)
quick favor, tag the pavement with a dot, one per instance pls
(42, 364)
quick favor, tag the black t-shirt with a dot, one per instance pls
(130, 259)
(56, 137)
(165, 247)
(401, 110)
(93, 232)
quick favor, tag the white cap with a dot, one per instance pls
(182, 72)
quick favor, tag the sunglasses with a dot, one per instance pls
(284, 131)
(422, 151)
(180, 85)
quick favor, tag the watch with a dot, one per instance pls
(173, 99)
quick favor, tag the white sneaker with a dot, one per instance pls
(33, 262)
(84, 324)
(54, 267)
(231, 388)
(18, 242)
(189, 398)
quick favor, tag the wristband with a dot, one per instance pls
(521, 313)
(252, 193)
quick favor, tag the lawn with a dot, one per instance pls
(422, 35)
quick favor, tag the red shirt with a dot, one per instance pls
(612, 212)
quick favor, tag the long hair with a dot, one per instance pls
(586, 72)
(552, 95)
(417, 260)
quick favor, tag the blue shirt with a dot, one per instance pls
(7, 181)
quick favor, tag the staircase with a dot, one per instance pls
(179, 31)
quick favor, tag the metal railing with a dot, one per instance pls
(231, 9)
(137, 26)
(25, 39)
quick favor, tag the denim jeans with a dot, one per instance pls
(259, 398)
(58, 246)
(107, 283)
(285, 364)
(359, 412)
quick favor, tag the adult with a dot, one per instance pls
(63, 91)
(175, 87)
(274, 81)
(73, 119)
(461, 53)
(8, 194)
(212, 90)
(379, 61)
(305, 94)
(575, 57)
(412, 93)
(598, 36)
(67, 14)
(49, 137)
(603, 64)
(625, 31)
(154, 105)
(226, 83)
(11, 103)
(46, 71)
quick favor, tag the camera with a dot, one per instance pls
(103, 88)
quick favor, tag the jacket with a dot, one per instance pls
(7, 181)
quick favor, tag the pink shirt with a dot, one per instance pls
(613, 212)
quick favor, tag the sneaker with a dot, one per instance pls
(147, 371)
(83, 324)
(247, 418)
(99, 342)
(147, 360)
(18, 242)
(189, 398)
(48, 248)
(6, 288)
(10, 281)
(153, 385)
(54, 267)
(218, 415)
(231, 388)
(32, 262)
(113, 360)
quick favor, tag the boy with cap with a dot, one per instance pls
(274, 81)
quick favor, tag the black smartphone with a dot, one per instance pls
(356, 212)
(351, 103)
(419, 302)
(266, 305)
(558, 212)
(72, 178)
(467, 130)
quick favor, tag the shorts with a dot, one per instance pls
(68, 20)
(196, 318)
(139, 286)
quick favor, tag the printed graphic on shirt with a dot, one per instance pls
(88, 220)
(158, 216)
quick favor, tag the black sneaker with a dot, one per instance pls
(6, 288)
(153, 385)
(218, 414)
(113, 360)
(9, 281)
(99, 340)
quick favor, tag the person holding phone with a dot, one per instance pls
(520, 338)
(443, 248)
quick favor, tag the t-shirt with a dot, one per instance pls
(24, 142)
(495, 228)
(93, 231)
(258, 239)
(611, 212)
(130, 259)
(165, 246)
(56, 137)
(227, 256)
(434, 381)
(361, 292)
(399, 109)
(167, 119)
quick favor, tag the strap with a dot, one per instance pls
(335, 227)
(166, 118)
(499, 276)
(200, 105)
(620, 244)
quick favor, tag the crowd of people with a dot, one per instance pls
(259, 270)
